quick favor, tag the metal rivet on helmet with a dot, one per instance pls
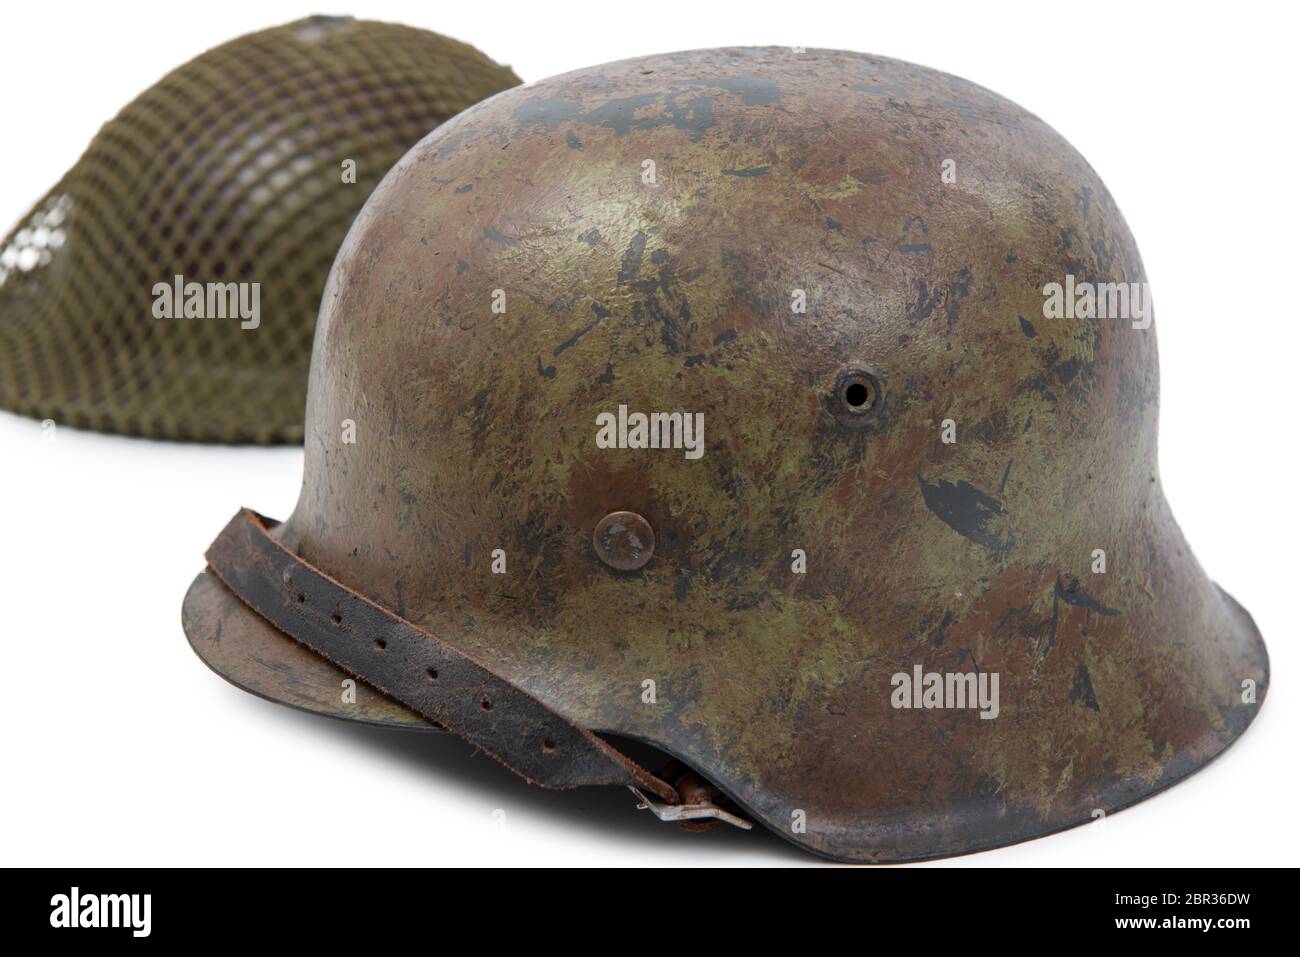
(624, 541)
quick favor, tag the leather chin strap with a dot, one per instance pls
(421, 671)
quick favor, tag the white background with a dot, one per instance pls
(119, 747)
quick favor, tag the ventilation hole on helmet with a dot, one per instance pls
(301, 598)
(433, 674)
(548, 745)
(336, 618)
(485, 704)
(380, 644)
(857, 396)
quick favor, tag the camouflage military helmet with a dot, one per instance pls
(748, 404)
(167, 286)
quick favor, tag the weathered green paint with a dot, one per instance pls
(776, 170)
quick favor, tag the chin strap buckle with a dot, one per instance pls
(702, 804)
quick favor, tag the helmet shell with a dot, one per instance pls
(642, 235)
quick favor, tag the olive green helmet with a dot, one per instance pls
(778, 410)
(167, 286)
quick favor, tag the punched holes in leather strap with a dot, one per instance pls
(407, 665)
(416, 668)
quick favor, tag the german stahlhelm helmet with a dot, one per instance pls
(167, 286)
(748, 404)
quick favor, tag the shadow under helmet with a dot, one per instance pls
(230, 170)
(717, 401)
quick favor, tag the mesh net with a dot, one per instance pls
(229, 170)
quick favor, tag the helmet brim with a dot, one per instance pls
(258, 658)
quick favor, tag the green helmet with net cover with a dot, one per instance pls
(167, 286)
